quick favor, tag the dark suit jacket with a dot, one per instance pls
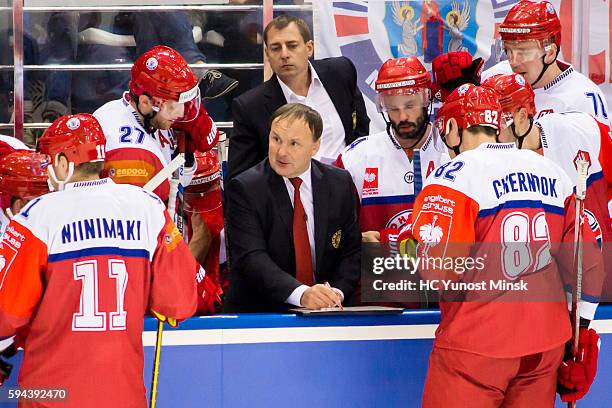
(251, 112)
(260, 228)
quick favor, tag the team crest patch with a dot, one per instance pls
(399, 220)
(73, 123)
(519, 79)
(336, 239)
(550, 8)
(370, 182)
(463, 89)
(151, 64)
(5, 263)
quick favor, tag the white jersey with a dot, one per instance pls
(134, 156)
(14, 142)
(386, 180)
(4, 221)
(569, 92)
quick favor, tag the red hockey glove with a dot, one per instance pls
(453, 69)
(202, 133)
(577, 376)
(210, 296)
(388, 235)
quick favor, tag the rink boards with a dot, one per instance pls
(287, 360)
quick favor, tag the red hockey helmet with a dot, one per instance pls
(79, 137)
(528, 20)
(23, 174)
(514, 92)
(402, 76)
(470, 105)
(162, 72)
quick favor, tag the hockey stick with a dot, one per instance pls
(173, 168)
(582, 166)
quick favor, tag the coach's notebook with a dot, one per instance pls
(349, 310)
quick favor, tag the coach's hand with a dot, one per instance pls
(320, 296)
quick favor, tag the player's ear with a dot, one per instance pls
(551, 53)
(452, 132)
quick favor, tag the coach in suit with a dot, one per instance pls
(294, 236)
(329, 86)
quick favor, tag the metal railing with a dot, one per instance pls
(19, 68)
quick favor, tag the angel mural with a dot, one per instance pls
(457, 21)
(403, 15)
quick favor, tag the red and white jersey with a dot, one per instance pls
(571, 91)
(134, 156)
(565, 137)
(386, 180)
(83, 279)
(513, 208)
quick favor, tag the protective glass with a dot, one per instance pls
(522, 51)
(395, 100)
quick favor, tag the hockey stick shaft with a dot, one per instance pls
(158, 343)
(172, 169)
(582, 166)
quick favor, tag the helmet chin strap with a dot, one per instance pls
(9, 213)
(146, 118)
(60, 183)
(544, 68)
(521, 138)
(455, 149)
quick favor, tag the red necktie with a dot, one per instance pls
(303, 260)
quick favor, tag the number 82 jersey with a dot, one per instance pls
(500, 203)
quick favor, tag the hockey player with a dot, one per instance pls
(141, 127)
(388, 168)
(205, 217)
(495, 193)
(563, 138)
(531, 35)
(81, 267)
(23, 176)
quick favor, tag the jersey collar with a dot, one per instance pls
(90, 183)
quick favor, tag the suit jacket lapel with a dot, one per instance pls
(282, 200)
(320, 196)
(333, 87)
(273, 94)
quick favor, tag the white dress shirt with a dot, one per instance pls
(332, 139)
(308, 204)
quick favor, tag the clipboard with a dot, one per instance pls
(353, 310)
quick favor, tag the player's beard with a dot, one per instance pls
(416, 128)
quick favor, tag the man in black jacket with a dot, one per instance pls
(295, 239)
(328, 85)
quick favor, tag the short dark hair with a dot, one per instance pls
(90, 168)
(298, 111)
(283, 21)
(487, 130)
